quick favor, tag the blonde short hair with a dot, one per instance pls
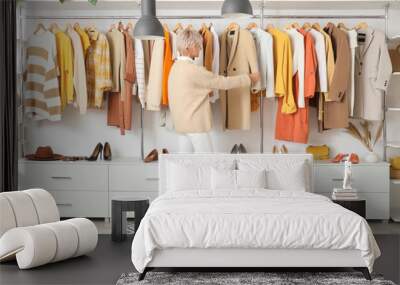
(188, 38)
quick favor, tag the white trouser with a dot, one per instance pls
(196, 142)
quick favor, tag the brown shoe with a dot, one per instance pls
(107, 155)
(284, 149)
(96, 153)
(152, 156)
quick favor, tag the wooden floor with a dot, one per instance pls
(110, 260)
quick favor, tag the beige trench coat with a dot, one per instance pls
(238, 56)
(373, 70)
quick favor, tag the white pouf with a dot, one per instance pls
(31, 233)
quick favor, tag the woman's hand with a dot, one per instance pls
(254, 77)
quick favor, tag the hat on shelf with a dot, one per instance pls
(44, 153)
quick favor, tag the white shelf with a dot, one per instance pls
(393, 144)
(395, 181)
(396, 73)
(393, 109)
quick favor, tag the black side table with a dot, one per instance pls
(357, 206)
(119, 207)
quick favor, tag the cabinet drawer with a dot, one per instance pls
(83, 204)
(63, 176)
(368, 179)
(138, 177)
(377, 204)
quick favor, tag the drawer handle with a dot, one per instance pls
(61, 177)
(339, 179)
(152, 179)
(64, 204)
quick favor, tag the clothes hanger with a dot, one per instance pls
(307, 26)
(39, 27)
(121, 26)
(342, 26)
(251, 26)
(233, 26)
(91, 30)
(288, 26)
(112, 27)
(129, 27)
(76, 25)
(329, 25)
(178, 27)
(54, 28)
(296, 25)
(317, 26)
(270, 26)
(361, 26)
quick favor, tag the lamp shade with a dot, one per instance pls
(237, 8)
(148, 27)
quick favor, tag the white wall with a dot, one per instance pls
(77, 134)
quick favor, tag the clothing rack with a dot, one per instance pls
(205, 17)
(262, 16)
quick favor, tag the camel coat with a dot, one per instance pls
(238, 56)
(373, 70)
(336, 112)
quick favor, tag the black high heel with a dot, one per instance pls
(107, 155)
(96, 152)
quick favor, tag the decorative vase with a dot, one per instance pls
(372, 157)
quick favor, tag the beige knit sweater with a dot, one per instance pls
(189, 87)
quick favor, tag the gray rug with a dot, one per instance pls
(268, 278)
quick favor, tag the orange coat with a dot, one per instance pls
(167, 66)
(295, 127)
(301, 118)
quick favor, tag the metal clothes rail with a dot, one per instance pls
(261, 17)
(205, 17)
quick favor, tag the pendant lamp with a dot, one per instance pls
(236, 8)
(148, 27)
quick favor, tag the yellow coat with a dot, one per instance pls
(238, 56)
(65, 59)
(283, 70)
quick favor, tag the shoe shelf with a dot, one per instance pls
(393, 109)
(393, 144)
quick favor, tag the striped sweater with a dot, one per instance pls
(41, 89)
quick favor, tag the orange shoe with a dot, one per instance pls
(354, 158)
(338, 158)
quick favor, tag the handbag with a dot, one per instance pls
(319, 152)
(395, 163)
(395, 58)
